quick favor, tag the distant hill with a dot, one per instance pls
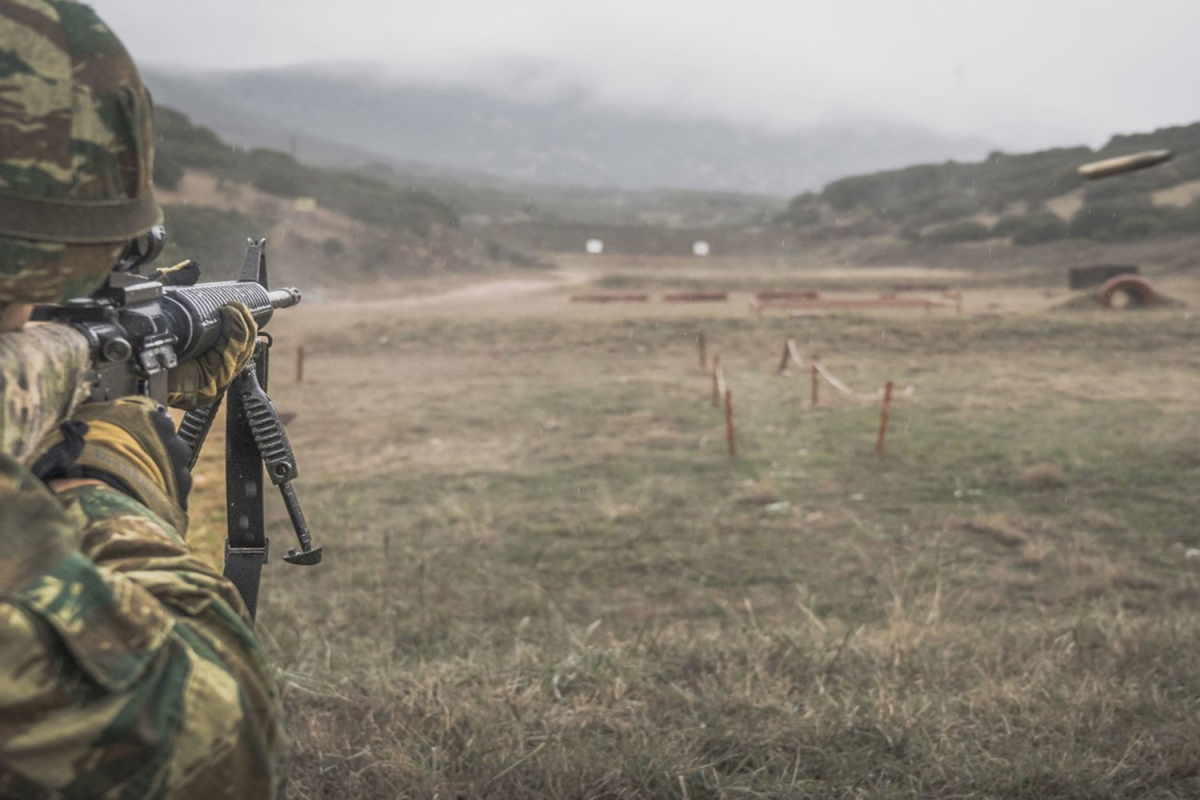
(337, 117)
(328, 226)
(1030, 198)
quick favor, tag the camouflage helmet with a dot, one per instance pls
(75, 151)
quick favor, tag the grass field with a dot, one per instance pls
(544, 576)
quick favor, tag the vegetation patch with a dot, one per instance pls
(545, 577)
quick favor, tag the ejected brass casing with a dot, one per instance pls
(1115, 166)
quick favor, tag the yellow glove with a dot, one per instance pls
(131, 445)
(200, 381)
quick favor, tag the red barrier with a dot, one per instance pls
(695, 297)
(1134, 287)
(788, 294)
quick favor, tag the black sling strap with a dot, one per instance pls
(246, 548)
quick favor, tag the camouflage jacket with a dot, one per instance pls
(127, 668)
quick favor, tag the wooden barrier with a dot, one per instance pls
(609, 298)
(921, 287)
(695, 297)
(800, 305)
(787, 294)
(1097, 274)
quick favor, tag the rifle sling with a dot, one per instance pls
(246, 545)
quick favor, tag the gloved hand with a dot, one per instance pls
(129, 444)
(201, 381)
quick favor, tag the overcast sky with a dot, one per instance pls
(1021, 73)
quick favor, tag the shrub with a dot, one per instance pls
(1035, 228)
(1186, 219)
(964, 231)
(190, 145)
(802, 210)
(168, 172)
(1120, 219)
(278, 173)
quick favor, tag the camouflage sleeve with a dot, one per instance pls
(126, 667)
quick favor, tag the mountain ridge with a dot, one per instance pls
(561, 141)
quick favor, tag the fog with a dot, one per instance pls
(1025, 74)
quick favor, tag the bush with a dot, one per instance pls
(965, 231)
(1186, 219)
(168, 172)
(927, 193)
(188, 144)
(1120, 219)
(802, 210)
(278, 173)
(1036, 228)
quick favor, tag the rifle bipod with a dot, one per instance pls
(254, 440)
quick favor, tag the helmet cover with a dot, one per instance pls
(76, 151)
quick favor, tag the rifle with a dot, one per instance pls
(137, 328)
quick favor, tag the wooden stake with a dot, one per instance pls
(716, 392)
(729, 423)
(816, 381)
(703, 348)
(783, 361)
(883, 418)
(300, 364)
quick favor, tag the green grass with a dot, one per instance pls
(544, 576)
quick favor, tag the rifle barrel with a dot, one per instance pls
(284, 298)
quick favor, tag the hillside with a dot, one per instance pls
(1028, 198)
(324, 226)
(339, 225)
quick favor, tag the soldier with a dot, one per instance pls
(127, 665)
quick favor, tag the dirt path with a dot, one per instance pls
(498, 290)
(483, 290)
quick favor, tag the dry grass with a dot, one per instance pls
(545, 578)
(1178, 195)
(1043, 477)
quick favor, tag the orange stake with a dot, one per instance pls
(816, 381)
(729, 423)
(716, 371)
(883, 418)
